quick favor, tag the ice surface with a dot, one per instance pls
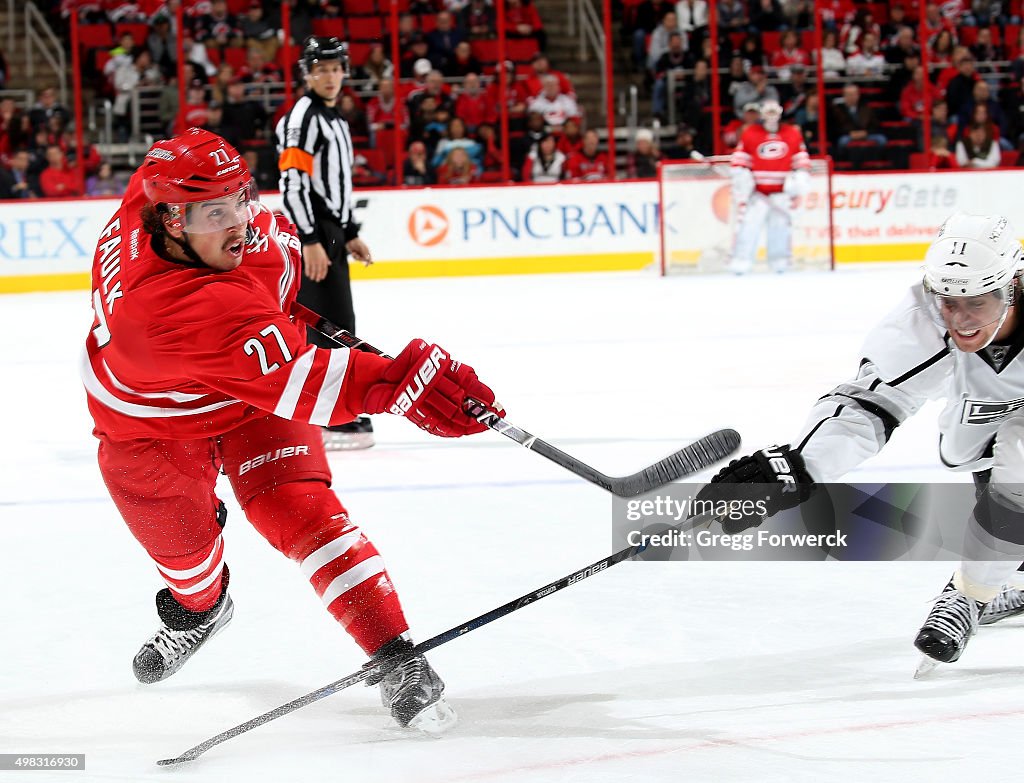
(650, 672)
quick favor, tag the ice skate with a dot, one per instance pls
(355, 435)
(180, 635)
(413, 691)
(949, 626)
(1008, 603)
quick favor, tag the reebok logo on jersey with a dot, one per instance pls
(271, 456)
(422, 379)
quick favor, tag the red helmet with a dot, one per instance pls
(196, 166)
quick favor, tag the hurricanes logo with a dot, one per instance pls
(772, 150)
(428, 225)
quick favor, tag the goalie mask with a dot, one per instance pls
(971, 271)
(771, 115)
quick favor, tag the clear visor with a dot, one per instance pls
(217, 214)
(968, 313)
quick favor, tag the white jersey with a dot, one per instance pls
(909, 359)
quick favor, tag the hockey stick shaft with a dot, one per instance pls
(690, 459)
(425, 646)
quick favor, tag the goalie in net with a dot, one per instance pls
(715, 210)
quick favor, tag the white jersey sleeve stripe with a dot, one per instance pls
(327, 399)
(296, 380)
(354, 577)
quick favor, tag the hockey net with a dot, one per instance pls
(698, 217)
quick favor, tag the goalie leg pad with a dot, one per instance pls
(779, 231)
(749, 221)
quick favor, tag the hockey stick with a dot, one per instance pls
(698, 455)
(442, 638)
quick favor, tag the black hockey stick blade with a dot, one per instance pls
(425, 646)
(698, 455)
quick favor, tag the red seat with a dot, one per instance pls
(235, 56)
(139, 31)
(360, 7)
(1009, 158)
(375, 158)
(238, 7)
(918, 160)
(358, 52)
(428, 23)
(215, 56)
(365, 28)
(521, 50)
(327, 27)
(485, 51)
(771, 41)
(385, 145)
(95, 35)
(102, 58)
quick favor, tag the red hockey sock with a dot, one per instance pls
(305, 520)
(195, 579)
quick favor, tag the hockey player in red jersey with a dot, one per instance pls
(193, 366)
(770, 167)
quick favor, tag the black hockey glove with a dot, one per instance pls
(759, 486)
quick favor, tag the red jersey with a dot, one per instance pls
(181, 351)
(771, 156)
(584, 169)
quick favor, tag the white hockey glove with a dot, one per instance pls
(742, 184)
(797, 183)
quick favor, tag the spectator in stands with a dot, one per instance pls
(806, 118)
(766, 15)
(353, 114)
(750, 115)
(571, 140)
(462, 62)
(3, 71)
(520, 147)
(659, 42)
(684, 146)
(46, 106)
(221, 81)
(474, 106)
(57, 180)
(217, 29)
(788, 54)
(852, 33)
(516, 96)
(540, 67)
(456, 137)
(553, 104)
(981, 95)
(365, 175)
(799, 14)
(139, 71)
(258, 69)
(961, 87)
(867, 61)
(833, 61)
(942, 48)
(17, 181)
(985, 51)
(794, 93)
(692, 15)
(433, 86)
(375, 69)
(935, 22)
(855, 120)
(641, 20)
(734, 80)
(732, 15)
(415, 170)
(428, 124)
(544, 163)
(161, 44)
(441, 42)
(382, 110)
(406, 32)
(257, 31)
(673, 61)
(940, 120)
(478, 20)
(265, 176)
(487, 136)
(523, 21)
(457, 169)
(642, 162)
(15, 128)
(455, 7)
(913, 97)
(194, 113)
(121, 54)
(215, 124)
(588, 165)
(902, 47)
(939, 157)
(752, 52)
(247, 117)
(755, 90)
(984, 13)
(697, 97)
(978, 149)
(91, 160)
(105, 182)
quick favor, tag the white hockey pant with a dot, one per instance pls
(773, 214)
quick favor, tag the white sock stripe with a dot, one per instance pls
(296, 380)
(332, 550)
(355, 576)
(327, 398)
(215, 554)
(198, 586)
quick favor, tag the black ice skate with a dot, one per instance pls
(181, 633)
(356, 434)
(950, 624)
(413, 691)
(1008, 603)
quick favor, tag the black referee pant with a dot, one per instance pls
(332, 296)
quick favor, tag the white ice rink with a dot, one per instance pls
(649, 672)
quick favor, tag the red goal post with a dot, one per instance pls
(696, 217)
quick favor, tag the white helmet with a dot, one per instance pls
(771, 113)
(972, 255)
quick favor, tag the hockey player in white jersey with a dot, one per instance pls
(958, 335)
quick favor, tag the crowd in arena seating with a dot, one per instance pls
(446, 98)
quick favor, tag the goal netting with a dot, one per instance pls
(698, 218)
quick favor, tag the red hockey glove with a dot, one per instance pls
(429, 388)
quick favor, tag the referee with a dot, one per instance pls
(315, 160)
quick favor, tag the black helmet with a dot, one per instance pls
(318, 48)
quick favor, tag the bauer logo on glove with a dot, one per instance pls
(420, 381)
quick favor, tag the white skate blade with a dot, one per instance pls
(435, 720)
(925, 667)
(347, 441)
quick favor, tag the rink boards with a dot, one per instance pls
(437, 232)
